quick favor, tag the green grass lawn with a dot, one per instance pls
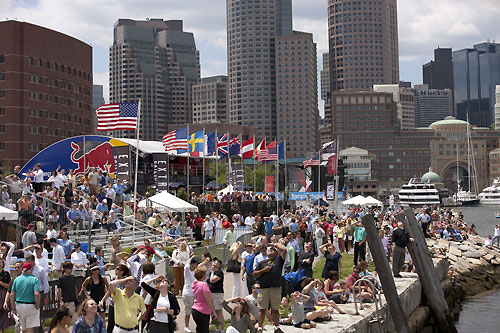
(347, 263)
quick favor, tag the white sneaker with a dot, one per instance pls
(187, 330)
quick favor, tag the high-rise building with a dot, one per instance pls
(404, 97)
(438, 73)
(432, 105)
(154, 61)
(297, 93)
(210, 100)
(325, 77)
(476, 72)
(97, 101)
(363, 44)
(497, 107)
(45, 89)
(252, 29)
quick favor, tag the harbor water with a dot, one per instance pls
(481, 314)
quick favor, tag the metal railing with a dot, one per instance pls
(379, 316)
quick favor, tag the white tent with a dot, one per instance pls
(167, 201)
(224, 191)
(371, 201)
(9, 215)
(356, 201)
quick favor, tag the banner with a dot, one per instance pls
(330, 191)
(269, 184)
(332, 164)
(160, 169)
(121, 156)
(236, 176)
(305, 196)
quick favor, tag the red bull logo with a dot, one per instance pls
(100, 157)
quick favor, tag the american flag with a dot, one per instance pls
(313, 161)
(175, 140)
(117, 116)
(269, 154)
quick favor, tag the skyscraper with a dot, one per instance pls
(363, 44)
(297, 93)
(325, 77)
(252, 29)
(154, 61)
(432, 105)
(97, 101)
(210, 100)
(476, 72)
(438, 73)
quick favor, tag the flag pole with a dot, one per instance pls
(265, 170)
(319, 172)
(187, 163)
(203, 161)
(277, 178)
(254, 176)
(286, 176)
(228, 174)
(136, 167)
(243, 180)
(337, 176)
(216, 161)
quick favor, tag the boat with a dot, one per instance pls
(498, 216)
(417, 193)
(466, 198)
(491, 194)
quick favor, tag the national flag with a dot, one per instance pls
(196, 143)
(117, 116)
(313, 161)
(260, 148)
(176, 141)
(222, 146)
(270, 153)
(329, 148)
(331, 167)
(234, 146)
(247, 149)
(211, 144)
(281, 151)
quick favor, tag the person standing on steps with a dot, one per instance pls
(400, 239)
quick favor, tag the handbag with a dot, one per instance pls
(233, 266)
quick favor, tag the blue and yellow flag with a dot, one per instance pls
(196, 143)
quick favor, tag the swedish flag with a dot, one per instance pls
(196, 143)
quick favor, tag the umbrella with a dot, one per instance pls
(176, 185)
(245, 187)
(320, 202)
(214, 186)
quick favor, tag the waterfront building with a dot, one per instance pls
(297, 93)
(494, 165)
(157, 62)
(438, 73)
(363, 44)
(97, 101)
(210, 100)
(45, 89)
(358, 172)
(476, 72)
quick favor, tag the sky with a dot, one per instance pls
(423, 26)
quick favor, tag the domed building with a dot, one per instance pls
(430, 177)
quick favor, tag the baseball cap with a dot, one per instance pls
(94, 267)
(31, 225)
(27, 266)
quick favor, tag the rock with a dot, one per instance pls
(464, 248)
(488, 257)
(472, 254)
(495, 262)
(452, 257)
(455, 251)
(475, 261)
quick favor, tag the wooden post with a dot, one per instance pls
(385, 275)
(427, 273)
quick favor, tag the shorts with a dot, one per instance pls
(188, 304)
(217, 299)
(270, 297)
(209, 234)
(306, 321)
(28, 315)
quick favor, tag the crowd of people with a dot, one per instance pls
(271, 273)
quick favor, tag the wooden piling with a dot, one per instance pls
(427, 274)
(385, 275)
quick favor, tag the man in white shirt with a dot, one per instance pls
(37, 174)
(187, 291)
(208, 227)
(94, 181)
(43, 278)
(496, 235)
(51, 232)
(249, 220)
(110, 196)
(58, 256)
(79, 261)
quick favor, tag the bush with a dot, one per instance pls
(182, 194)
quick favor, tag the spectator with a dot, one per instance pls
(203, 305)
(129, 307)
(96, 287)
(29, 237)
(180, 257)
(216, 283)
(4, 286)
(26, 299)
(240, 316)
(333, 260)
(187, 291)
(61, 320)
(6, 251)
(234, 267)
(66, 288)
(229, 237)
(164, 306)
(58, 257)
(359, 242)
(88, 319)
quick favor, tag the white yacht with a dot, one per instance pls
(491, 194)
(417, 193)
(466, 198)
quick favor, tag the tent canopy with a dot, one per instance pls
(371, 201)
(167, 201)
(356, 201)
(9, 215)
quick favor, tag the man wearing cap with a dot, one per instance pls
(43, 281)
(129, 307)
(29, 238)
(25, 292)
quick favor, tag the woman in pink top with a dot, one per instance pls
(203, 305)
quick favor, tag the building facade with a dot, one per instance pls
(438, 73)
(45, 89)
(404, 97)
(497, 107)
(97, 101)
(363, 44)
(154, 61)
(432, 105)
(494, 164)
(210, 100)
(476, 72)
(325, 77)
(297, 93)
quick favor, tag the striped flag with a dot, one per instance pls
(247, 149)
(222, 149)
(313, 161)
(176, 140)
(270, 153)
(260, 148)
(117, 116)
